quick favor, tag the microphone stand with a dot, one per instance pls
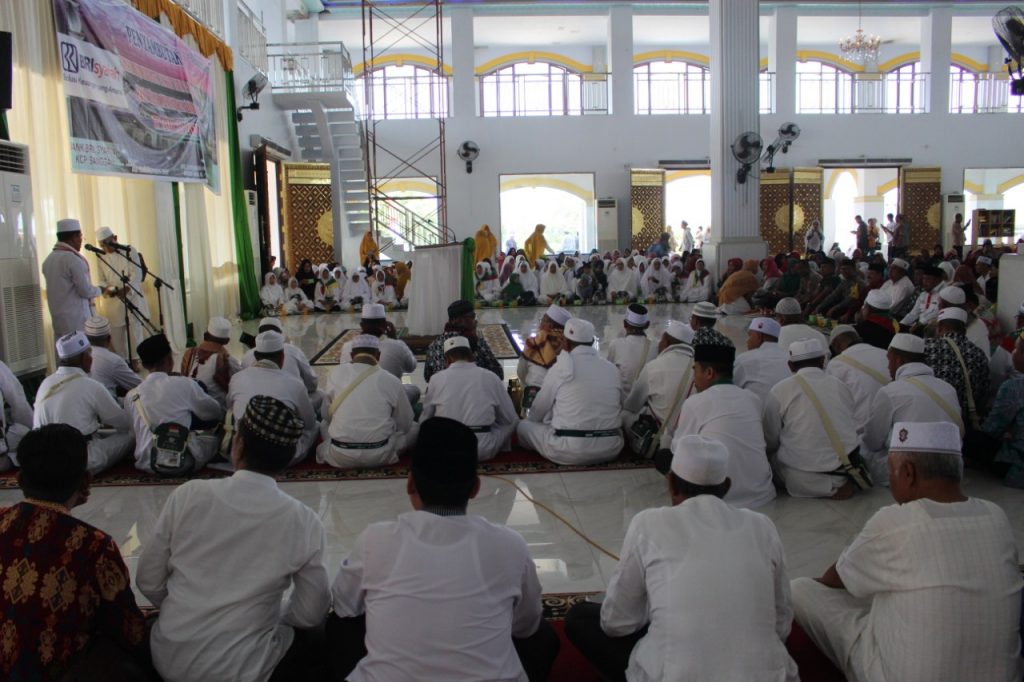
(158, 281)
(129, 307)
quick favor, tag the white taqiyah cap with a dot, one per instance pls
(953, 295)
(908, 343)
(788, 306)
(766, 325)
(104, 233)
(636, 319)
(806, 349)
(68, 225)
(984, 260)
(456, 342)
(373, 311)
(878, 299)
(937, 437)
(948, 269)
(579, 330)
(70, 345)
(680, 331)
(899, 263)
(219, 327)
(705, 310)
(558, 314)
(272, 322)
(843, 329)
(97, 326)
(365, 341)
(269, 342)
(953, 314)
(699, 460)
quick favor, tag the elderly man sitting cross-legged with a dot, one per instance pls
(930, 589)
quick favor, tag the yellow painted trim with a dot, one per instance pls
(973, 187)
(401, 60)
(968, 63)
(762, 65)
(672, 176)
(828, 58)
(530, 57)
(868, 199)
(888, 186)
(671, 56)
(808, 176)
(901, 60)
(835, 178)
(549, 183)
(988, 197)
(1002, 187)
(409, 186)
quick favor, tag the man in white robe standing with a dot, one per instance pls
(125, 261)
(69, 289)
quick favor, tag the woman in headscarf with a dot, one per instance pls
(622, 283)
(357, 291)
(657, 281)
(382, 292)
(552, 285)
(323, 295)
(735, 294)
(528, 281)
(402, 275)
(536, 245)
(485, 242)
(600, 280)
(698, 284)
(271, 295)
(733, 265)
(487, 287)
(296, 300)
(512, 291)
(368, 249)
(507, 268)
(307, 278)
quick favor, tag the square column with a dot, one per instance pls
(782, 59)
(620, 58)
(936, 55)
(463, 90)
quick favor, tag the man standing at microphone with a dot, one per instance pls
(124, 260)
(69, 288)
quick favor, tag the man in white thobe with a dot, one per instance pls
(577, 416)
(692, 573)
(802, 453)
(730, 415)
(898, 286)
(473, 396)
(295, 362)
(268, 377)
(108, 368)
(210, 363)
(396, 357)
(789, 314)
(631, 352)
(862, 367)
(664, 383)
(69, 289)
(236, 565)
(69, 396)
(15, 416)
(687, 237)
(765, 363)
(915, 395)
(931, 587)
(955, 296)
(125, 261)
(162, 398)
(926, 308)
(368, 421)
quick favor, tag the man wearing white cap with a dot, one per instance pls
(368, 420)
(789, 314)
(703, 320)
(931, 588)
(898, 286)
(862, 367)
(694, 574)
(577, 415)
(121, 257)
(474, 396)
(629, 353)
(765, 363)
(69, 289)
(69, 396)
(541, 352)
(959, 362)
(295, 361)
(958, 296)
(926, 308)
(396, 357)
(108, 368)
(210, 363)
(267, 376)
(662, 386)
(983, 269)
(810, 428)
(15, 416)
(915, 395)
(876, 327)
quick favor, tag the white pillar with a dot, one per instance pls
(620, 58)
(936, 55)
(463, 92)
(782, 59)
(734, 110)
(308, 31)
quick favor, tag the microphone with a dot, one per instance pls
(93, 249)
(121, 247)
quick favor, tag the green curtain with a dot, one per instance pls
(468, 285)
(248, 282)
(5, 132)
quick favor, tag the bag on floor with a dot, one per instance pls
(169, 456)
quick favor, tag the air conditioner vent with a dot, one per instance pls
(607, 203)
(23, 323)
(13, 159)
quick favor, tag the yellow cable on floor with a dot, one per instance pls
(558, 516)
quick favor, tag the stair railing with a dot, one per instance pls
(406, 226)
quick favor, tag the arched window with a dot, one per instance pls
(537, 89)
(407, 91)
(675, 87)
(823, 89)
(904, 90)
(963, 90)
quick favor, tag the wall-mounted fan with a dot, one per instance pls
(747, 150)
(788, 132)
(1008, 25)
(468, 151)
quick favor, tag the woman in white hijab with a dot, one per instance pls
(657, 282)
(528, 279)
(323, 295)
(698, 285)
(487, 286)
(296, 300)
(357, 291)
(382, 292)
(622, 282)
(552, 285)
(271, 295)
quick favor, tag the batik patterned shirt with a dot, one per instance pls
(481, 351)
(62, 583)
(706, 336)
(943, 360)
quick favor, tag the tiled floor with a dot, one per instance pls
(599, 503)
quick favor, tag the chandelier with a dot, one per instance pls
(860, 48)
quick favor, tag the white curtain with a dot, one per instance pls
(436, 282)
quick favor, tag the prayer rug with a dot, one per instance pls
(331, 353)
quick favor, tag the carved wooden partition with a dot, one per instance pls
(799, 188)
(306, 227)
(647, 203)
(921, 205)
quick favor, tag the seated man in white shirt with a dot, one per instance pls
(541, 351)
(210, 363)
(926, 307)
(765, 363)
(789, 314)
(368, 421)
(69, 396)
(164, 399)
(15, 416)
(438, 594)
(108, 368)
(577, 416)
(899, 286)
(267, 377)
(295, 362)
(692, 574)
(629, 353)
(862, 367)
(808, 418)
(931, 588)
(222, 556)
(396, 357)
(472, 396)
(663, 385)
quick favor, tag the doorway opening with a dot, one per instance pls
(994, 189)
(687, 197)
(849, 192)
(563, 202)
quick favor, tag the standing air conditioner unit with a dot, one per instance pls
(607, 225)
(22, 341)
(951, 205)
(253, 214)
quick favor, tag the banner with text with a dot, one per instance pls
(140, 101)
